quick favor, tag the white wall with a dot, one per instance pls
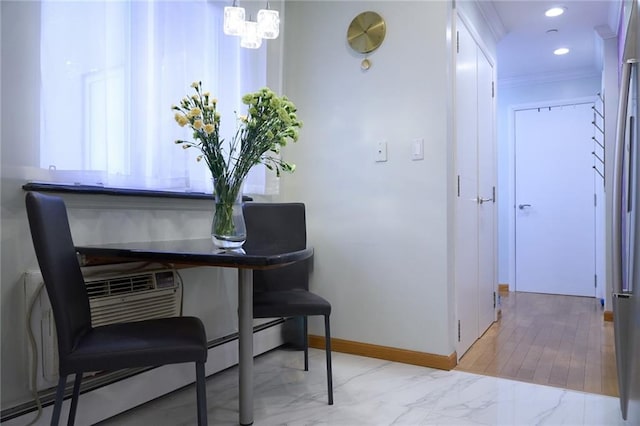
(20, 84)
(381, 231)
(519, 94)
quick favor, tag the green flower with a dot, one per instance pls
(270, 122)
(247, 99)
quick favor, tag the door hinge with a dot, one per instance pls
(494, 300)
(458, 330)
(494, 195)
(595, 200)
(457, 41)
(493, 90)
(458, 185)
(595, 280)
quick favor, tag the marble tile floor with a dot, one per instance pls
(369, 391)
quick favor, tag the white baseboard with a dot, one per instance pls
(108, 401)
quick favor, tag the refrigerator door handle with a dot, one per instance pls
(616, 250)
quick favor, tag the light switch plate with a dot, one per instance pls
(417, 149)
(381, 152)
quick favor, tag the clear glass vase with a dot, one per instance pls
(228, 230)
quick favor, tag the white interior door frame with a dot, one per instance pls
(511, 155)
(464, 188)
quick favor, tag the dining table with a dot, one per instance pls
(202, 252)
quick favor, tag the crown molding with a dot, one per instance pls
(490, 14)
(551, 77)
(615, 15)
(605, 32)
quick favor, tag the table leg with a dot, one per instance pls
(245, 344)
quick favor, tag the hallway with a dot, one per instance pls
(552, 340)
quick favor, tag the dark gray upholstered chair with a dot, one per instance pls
(83, 348)
(284, 292)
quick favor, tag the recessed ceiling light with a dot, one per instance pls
(561, 51)
(554, 11)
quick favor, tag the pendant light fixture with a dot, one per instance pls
(250, 37)
(268, 23)
(234, 20)
(251, 33)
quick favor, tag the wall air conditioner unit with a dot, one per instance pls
(113, 296)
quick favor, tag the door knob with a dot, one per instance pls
(522, 206)
(481, 200)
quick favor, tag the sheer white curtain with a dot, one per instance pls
(111, 71)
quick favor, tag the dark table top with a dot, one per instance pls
(200, 252)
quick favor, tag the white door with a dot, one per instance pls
(475, 227)
(466, 243)
(598, 186)
(487, 250)
(554, 209)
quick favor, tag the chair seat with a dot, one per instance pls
(139, 344)
(289, 303)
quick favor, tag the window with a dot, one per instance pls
(110, 71)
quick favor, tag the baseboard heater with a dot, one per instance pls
(119, 295)
(267, 336)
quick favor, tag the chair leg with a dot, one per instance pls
(327, 348)
(201, 394)
(57, 407)
(305, 339)
(74, 399)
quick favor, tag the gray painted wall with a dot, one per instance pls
(382, 231)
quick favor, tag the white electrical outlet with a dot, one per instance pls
(381, 151)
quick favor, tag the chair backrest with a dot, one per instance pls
(279, 226)
(60, 268)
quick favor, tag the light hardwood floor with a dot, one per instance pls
(553, 340)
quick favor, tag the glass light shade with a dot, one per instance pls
(250, 37)
(268, 23)
(554, 11)
(233, 20)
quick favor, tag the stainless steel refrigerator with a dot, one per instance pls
(626, 223)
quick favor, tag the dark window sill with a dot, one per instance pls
(100, 190)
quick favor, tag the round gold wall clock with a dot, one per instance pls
(366, 32)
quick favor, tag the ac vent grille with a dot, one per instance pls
(148, 305)
(120, 285)
(133, 297)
